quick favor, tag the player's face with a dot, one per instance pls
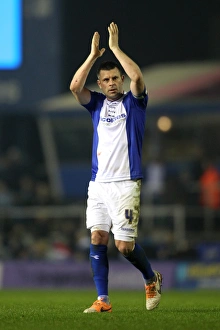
(111, 83)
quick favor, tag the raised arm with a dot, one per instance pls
(133, 71)
(77, 85)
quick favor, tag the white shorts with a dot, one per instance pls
(114, 206)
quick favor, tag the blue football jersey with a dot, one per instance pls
(118, 136)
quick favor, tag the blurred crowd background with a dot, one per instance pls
(45, 139)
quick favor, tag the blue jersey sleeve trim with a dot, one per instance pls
(96, 97)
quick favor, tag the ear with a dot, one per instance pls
(99, 84)
(122, 77)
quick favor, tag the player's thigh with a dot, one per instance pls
(125, 210)
(97, 217)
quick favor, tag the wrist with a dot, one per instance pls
(115, 49)
(92, 57)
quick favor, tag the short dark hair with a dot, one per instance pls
(109, 65)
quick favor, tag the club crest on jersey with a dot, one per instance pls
(129, 215)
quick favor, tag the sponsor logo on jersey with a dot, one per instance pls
(110, 120)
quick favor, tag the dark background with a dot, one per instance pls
(57, 39)
(150, 31)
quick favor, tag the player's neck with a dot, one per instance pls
(115, 99)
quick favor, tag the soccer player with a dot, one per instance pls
(114, 190)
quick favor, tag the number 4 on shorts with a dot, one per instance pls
(129, 215)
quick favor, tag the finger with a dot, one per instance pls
(102, 51)
(114, 27)
(96, 36)
(96, 39)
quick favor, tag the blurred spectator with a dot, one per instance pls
(82, 244)
(210, 187)
(39, 249)
(59, 248)
(26, 191)
(42, 194)
(153, 187)
(41, 226)
(210, 197)
(15, 165)
(6, 195)
(19, 240)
